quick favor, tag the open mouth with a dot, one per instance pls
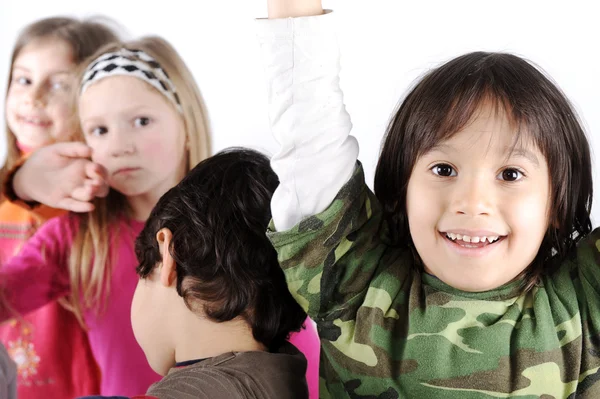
(472, 242)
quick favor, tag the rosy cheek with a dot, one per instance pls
(153, 147)
(158, 146)
(11, 101)
(530, 213)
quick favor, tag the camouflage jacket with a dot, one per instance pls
(389, 331)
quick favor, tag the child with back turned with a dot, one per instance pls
(212, 311)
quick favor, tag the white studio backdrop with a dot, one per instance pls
(386, 45)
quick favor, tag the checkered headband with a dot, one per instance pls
(134, 63)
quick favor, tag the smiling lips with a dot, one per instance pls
(35, 121)
(466, 242)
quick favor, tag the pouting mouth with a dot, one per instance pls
(465, 239)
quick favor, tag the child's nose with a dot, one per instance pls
(36, 95)
(472, 196)
(121, 143)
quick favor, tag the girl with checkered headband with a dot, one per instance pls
(38, 112)
(142, 126)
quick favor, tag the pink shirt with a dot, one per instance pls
(39, 274)
(51, 349)
(307, 341)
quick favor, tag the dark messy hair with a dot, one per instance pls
(446, 100)
(218, 215)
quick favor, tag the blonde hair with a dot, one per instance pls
(91, 257)
(84, 37)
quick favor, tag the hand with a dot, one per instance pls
(61, 176)
(294, 8)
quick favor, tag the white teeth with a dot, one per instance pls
(35, 121)
(473, 240)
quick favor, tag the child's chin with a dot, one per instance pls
(468, 281)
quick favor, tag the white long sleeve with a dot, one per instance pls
(307, 115)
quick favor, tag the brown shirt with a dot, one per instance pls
(233, 375)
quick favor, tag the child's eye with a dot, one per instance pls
(443, 170)
(142, 121)
(23, 81)
(510, 174)
(99, 131)
(59, 86)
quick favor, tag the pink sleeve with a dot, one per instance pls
(39, 273)
(307, 341)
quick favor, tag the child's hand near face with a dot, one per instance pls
(61, 176)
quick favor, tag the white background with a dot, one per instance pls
(386, 46)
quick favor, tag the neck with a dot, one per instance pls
(141, 206)
(215, 338)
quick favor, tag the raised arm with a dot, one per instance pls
(294, 8)
(308, 118)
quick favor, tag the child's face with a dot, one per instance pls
(136, 134)
(151, 308)
(471, 185)
(38, 107)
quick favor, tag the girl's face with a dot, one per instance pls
(38, 107)
(478, 211)
(136, 134)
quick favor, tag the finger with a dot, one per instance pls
(73, 205)
(73, 150)
(99, 189)
(83, 193)
(96, 172)
(102, 190)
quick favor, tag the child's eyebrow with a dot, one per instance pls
(510, 151)
(57, 72)
(16, 66)
(522, 153)
(442, 147)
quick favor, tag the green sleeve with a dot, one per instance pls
(588, 273)
(330, 259)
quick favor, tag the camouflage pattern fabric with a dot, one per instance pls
(390, 331)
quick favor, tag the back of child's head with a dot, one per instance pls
(91, 256)
(218, 216)
(448, 98)
(83, 37)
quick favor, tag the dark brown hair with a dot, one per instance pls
(448, 97)
(218, 216)
(84, 37)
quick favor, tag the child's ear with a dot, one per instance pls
(167, 270)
